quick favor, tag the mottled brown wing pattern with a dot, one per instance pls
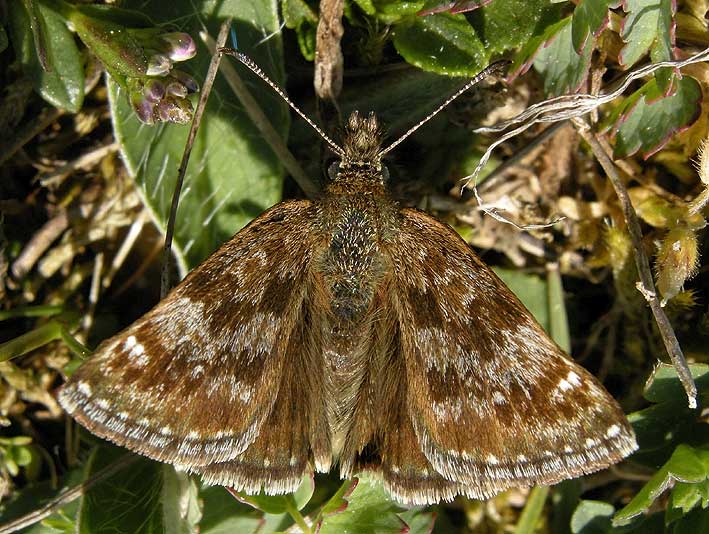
(493, 401)
(294, 436)
(194, 381)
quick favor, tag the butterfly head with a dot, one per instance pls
(362, 144)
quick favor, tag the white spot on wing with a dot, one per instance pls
(573, 378)
(612, 431)
(564, 385)
(84, 388)
(131, 342)
(451, 409)
(499, 398)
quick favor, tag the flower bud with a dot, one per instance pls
(158, 65)
(154, 90)
(676, 261)
(185, 79)
(178, 46)
(176, 89)
(144, 109)
(178, 110)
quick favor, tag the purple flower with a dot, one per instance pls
(140, 59)
(158, 65)
(154, 90)
(144, 108)
(176, 89)
(171, 109)
(178, 46)
(185, 79)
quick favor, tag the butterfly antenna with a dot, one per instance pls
(253, 67)
(490, 69)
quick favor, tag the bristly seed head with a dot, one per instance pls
(362, 142)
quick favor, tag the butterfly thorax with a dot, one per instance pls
(356, 219)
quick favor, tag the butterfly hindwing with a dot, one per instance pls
(493, 401)
(194, 380)
(294, 436)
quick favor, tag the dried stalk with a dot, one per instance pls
(646, 285)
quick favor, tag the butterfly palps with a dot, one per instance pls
(349, 332)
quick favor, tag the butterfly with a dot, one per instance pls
(349, 333)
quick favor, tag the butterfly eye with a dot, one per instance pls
(385, 174)
(333, 170)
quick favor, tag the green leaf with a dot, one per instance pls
(112, 43)
(338, 502)
(686, 464)
(532, 511)
(589, 19)
(697, 521)
(531, 290)
(223, 514)
(664, 386)
(685, 497)
(129, 18)
(418, 521)
(441, 43)
(509, 24)
(369, 510)
(669, 423)
(128, 502)
(367, 6)
(563, 67)
(180, 507)
(3, 39)
(525, 57)
(32, 496)
(648, 26)
(564, 500)
(558, 319)
(392, 11)
(647, 119)
(592, 517)
(233, 175)
(299, 16)
(63, 85)
(278, 504)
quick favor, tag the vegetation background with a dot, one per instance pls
(86, 183)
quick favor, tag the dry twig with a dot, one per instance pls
(646, 285)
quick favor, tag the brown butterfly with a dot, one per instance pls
(351, 332)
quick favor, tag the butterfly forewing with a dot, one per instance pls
(194, 380)
(493, 401)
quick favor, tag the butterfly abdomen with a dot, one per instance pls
(350, 269)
